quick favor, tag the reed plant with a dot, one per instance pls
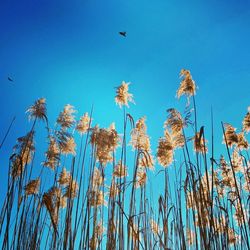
(98, 188)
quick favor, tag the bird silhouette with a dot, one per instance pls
(10, 79)
(123, 33)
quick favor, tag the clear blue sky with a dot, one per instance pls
(70, 52)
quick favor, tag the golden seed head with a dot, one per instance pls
(120, 170)
(122, 95)
(97, 179)
(141, 177)
(146, 161)
(38, 110)
(84, 124)
(106, 142)
(175, 122)
(242, 142)
(230, 135)
(32, 187)
(165, 152)
(52, 154)
(66, 118)
(96, 198)
(139, 138)
(237, 161)
(71, 189)
(64, 177)
(187, 85)
(67, 143)
(17, 166)
(23, 154)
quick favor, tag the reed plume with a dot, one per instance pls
(123, 97)
(187, 85)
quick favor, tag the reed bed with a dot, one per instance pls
(93, 189)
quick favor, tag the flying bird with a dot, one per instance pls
(123, 33)
(10, 79)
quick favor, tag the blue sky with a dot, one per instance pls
(70, 52)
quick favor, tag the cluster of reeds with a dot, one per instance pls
(95, 194)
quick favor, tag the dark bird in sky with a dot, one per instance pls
(10, 79)
(123, 33)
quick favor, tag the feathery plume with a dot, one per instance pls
(71, 189)
(106, 141)
(165, 150)
(97, 179)
(64, 177)
(139, 137)
(52, 154)
(120, 170)
(175, 122)
(66, 118)
(23, 154)
(84, 123)
(38, 110)
(141, 177)
(122, 95)
(187, 85)
(237, 161)
(96, 198)
(32, 187)
(242, 142)
(67, 143)
(230, 135)
(146, 161)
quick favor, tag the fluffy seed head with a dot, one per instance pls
(67, 143)
(139, 138)
(165, 152)
(122, 95)
(32, 187)
(52, 154)
(38, 110)
(120, 170)
(230, 135)
(71, 189)
(66, 118)
(187, 85)
(84, 123)
(106, 141)
(64, 177)
(96, 198)
(141, 177)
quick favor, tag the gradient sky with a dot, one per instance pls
(71, 52)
